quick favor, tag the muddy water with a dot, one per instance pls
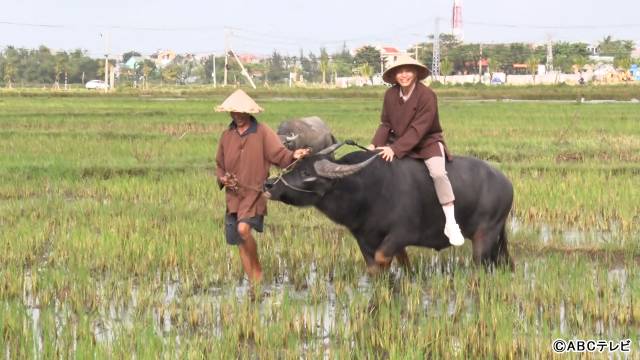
(321, 318)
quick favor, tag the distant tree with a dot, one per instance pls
(171, 73)
(494, 66)
(276, 69)
(128, 55)
(622, 63)
(446, 67)
(617, 48)
(368, 55)
(61, 67)
(448, 41)
(324, 64)
(343, 62)
(532, 66)
(579, 62)
(148, 66)
(366, 71)
(9, 74)
(333, 71)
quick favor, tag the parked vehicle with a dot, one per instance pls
(96, 85)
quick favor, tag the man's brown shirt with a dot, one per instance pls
(248, 157)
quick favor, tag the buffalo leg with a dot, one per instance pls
(403, 259)
(383, 260)
(485, 243)
(368, 254)
(387, 250)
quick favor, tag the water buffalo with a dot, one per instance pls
(389, 206)
(305, 132)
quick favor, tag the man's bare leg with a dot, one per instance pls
(249, 254)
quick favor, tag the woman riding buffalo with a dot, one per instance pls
(410, 126)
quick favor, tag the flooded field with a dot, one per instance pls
(111, 241)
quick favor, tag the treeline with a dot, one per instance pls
(42, 67)
(463, 58)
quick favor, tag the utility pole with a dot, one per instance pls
(435, 67)
(215, 84)
(226, 54)
(480, 64)
(416, 51)
(106, 62)
(244, 71)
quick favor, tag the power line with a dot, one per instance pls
(113, 27)
(552, 27)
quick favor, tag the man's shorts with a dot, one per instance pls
(231, 227)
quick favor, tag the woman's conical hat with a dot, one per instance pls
(404, 59)
(239, 101)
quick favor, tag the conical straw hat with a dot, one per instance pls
(239, 101)
(389, 74)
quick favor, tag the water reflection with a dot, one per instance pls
(318, 313)
(547, 234)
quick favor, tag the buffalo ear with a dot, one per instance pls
(309, 179)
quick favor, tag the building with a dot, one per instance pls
(389, 55)
(163, 57)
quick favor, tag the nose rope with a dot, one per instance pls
(281, 178)
(284, 171)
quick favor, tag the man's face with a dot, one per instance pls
(406, 75)
(241, 119)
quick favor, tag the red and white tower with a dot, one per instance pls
(456, 19)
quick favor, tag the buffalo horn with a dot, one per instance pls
(292, 137)
(331, 170)
(330, 149)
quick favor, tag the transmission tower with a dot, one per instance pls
(435, 67)
(549, 53)
(456, 20)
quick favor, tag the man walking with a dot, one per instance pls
(246, 151)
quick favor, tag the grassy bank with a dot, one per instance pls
(622, 92)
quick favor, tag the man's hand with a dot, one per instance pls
(230, 182)
(300, 153)
(386, 153)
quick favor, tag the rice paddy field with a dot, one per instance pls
(112, 245)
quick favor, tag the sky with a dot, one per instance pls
(260, 27)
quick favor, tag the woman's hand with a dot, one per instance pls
(371, 147)
(300, 153)
(386, 153)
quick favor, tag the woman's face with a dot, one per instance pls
(406, 75)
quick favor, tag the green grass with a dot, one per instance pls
(111, 227)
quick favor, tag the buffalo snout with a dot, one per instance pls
(268, 184)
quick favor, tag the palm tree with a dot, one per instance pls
(9, 72)
(147, 68)
(532, 66)
(446, 67)
(494, 66)
(324, 66)
(333, 70)
(623, 64)
(366, 71)
(580, 62)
